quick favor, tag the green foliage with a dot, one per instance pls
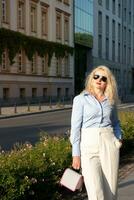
(29, 172)
(127, 125)
(14, 41)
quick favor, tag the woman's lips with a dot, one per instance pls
(98, 83)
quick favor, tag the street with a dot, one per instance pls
(28, 128)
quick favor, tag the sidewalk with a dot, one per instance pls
(14, 111)
(126, 187)
(8, 112)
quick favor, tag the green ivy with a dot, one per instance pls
(14, 41)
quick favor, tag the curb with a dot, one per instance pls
(33, 113)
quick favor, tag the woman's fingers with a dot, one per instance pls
(76, 162)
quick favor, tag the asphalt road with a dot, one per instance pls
(28, 128)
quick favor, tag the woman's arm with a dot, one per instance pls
(76, 123)
(116, 124)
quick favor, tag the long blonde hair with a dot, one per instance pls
(111, 88)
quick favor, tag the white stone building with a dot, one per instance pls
(113, 41)
(51, 20)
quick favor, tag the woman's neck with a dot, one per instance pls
(98, 93)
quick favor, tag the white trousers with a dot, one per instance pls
(100, 162)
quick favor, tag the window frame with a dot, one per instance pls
(21, 22)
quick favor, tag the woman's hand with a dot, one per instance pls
(121, 141)
(76, 163)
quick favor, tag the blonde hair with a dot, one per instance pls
(111, 87)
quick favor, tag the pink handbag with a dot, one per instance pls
(71, 179)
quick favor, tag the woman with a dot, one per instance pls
(96, 135)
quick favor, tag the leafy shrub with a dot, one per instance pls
(29, 172)
(127, 125)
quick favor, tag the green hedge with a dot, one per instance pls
(33, 172)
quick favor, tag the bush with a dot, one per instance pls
(29, 172)
(127, 125)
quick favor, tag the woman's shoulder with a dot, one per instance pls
(81, 96)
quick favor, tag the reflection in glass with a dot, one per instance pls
(84, 22)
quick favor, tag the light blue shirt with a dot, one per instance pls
(88, 112)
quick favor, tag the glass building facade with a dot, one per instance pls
(84, 22)
(83, 27)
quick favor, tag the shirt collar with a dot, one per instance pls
(86, 93)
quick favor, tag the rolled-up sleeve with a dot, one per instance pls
(116, 124)
(76, 123)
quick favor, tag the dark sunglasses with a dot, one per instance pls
(102, 78)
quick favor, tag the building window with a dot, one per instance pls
(33, 64)
(58, 92)
(107, 48)
(66, 2)
(129, 56)
(113, 50)
(119, 10)
(100, 2)
(22, 93)
(66, 29)
(58, 67)
(5, 11)
(21, 61)
(124, 54)
(34, 92)
(130, 5)
(44, 22)
(66, 66)
(44, 62)
(119, 32)
(21, 14)
(100, 22)
(5, 60)
(107, 4)
(129, 38)
(33, 17)
(100, 46)
(129, 18)
(66, 92)
(44, 92)
(58, 26)
(107, 26)
(5, 93)
(125, 14)
(113, 29)
(119, 52)
(113, 7)
(133, 79)
(124, 34)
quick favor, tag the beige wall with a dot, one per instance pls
(13, 80)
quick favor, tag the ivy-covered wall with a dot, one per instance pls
(14, 41)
